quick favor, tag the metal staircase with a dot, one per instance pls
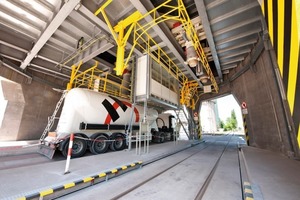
(186, 122)
(53, 116)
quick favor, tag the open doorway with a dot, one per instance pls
(221, 116)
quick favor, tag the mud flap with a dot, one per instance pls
(46, 151)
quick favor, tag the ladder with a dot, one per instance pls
(181, 117)
(52, 118)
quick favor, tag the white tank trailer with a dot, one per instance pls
(100, 121)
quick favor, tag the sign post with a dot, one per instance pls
(245, 112)
(69, 153)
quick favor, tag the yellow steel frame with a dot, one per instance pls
(190, 91)
(89, 77)
(143, 40)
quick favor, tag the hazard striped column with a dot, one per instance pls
(283, 22)
(245, 128)
(69, 154)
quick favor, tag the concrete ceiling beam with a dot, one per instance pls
(232, 13)
(237, 25)
(63, 13)
(48, 70)
(238, 36)
(95, 49)
(86, 12)
(13, 46)
(209, 36)
(249, 42)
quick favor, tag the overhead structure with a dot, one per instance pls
(232, 29)
(63, 13)
(45, 38)
(142, 40)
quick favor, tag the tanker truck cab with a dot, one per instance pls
(166, 125)
(98, 121)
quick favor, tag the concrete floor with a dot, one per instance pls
(20, 181)
(275, 176)
(181, 182)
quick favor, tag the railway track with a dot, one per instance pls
(151, 187)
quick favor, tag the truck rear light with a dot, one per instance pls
(52, 134)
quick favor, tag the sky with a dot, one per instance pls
(226, 105)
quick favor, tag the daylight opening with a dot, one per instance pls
(221, 116)
(3, 102)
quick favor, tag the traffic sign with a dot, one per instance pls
(244, 111)
(244, 105)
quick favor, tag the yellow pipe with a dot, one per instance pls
(69, 85)
(134, 17)
(101, 9)
(120, 54)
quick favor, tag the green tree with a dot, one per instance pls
(231, 122)
(222, 124)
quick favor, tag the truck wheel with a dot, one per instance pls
(155, 138)
(162, 138)
(99, 145)
(78, 149)
(119, 143)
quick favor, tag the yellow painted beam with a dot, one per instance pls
(270, 19)
(134, 17)
(263, 7)
(292, 79)
(103, 7)
(281, 37)
(298, 138)
(298, 15)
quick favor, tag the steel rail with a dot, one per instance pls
(159, 173)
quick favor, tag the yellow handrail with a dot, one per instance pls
(98, 80)
(143, 41)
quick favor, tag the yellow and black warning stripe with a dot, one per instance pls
(89, 179)
(282, 21)
(248, 194)
(246, 129)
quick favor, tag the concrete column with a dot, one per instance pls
(12, 105)
(28, 106)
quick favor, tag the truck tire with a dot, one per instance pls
(99, 145)
(119, 143)
(156, 137)
(78, 149)
(162, 138)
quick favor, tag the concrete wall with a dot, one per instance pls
(208, 117)
(266, 120)
(12, 107)
(31, 113)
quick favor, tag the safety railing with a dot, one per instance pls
(98, 80)
(145, 43)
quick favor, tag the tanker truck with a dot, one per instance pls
(100, 122)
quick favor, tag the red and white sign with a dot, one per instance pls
(244, 105)
(196, 116)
